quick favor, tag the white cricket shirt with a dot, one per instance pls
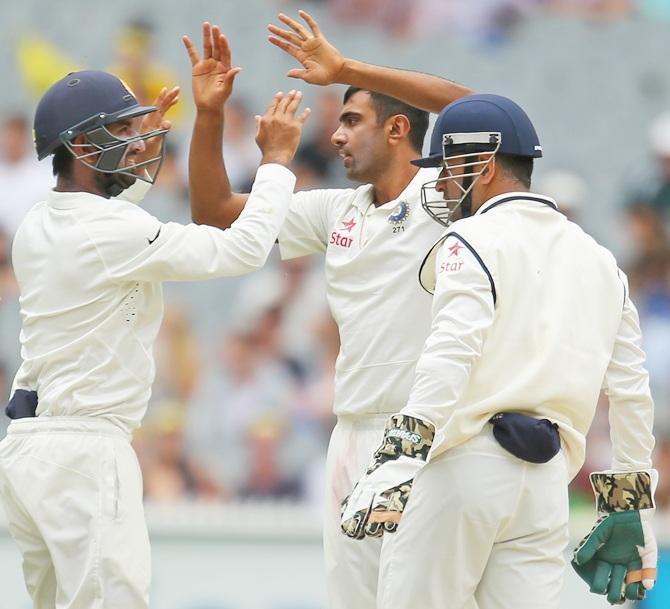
(531, 315)
(89, 272)
(373, 255)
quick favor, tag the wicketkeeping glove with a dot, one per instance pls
(618, 557)
(379, 498)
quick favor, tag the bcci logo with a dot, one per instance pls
(399, 214)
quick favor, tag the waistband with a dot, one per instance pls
(42, 424)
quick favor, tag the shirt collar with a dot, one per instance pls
(71, 200)
(509, 197)
(414, 186)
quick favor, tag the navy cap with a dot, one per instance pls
(77, 103)
(484, 113)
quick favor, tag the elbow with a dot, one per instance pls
(206, 219)
(254, 259)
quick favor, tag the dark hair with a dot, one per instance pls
(386, 106)
(518, 167)
(62, 162)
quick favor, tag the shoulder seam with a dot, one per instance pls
(479, 259)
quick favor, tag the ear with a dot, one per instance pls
(78, 141)
(489, 172)
(76, 144)
(398, 127)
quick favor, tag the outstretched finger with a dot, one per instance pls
(284, 46)
(286, 35)
(224, 51)
(216, 33)
(298, 28)
(274, 102)
(294, 102)
(311, 22)
(206, 40)
(169, 99)
(305, 115)
(285, 101)
(190, 49)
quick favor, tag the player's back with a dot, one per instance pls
(558, 305)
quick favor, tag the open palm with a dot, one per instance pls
(320, 60)
(212, 75)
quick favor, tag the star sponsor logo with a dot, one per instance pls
(454, 249)
(340, 240)
(348, 225)
(450, 266)
(447, 267)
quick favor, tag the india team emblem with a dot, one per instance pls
(399, 213)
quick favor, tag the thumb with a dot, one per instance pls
(297, 73)
(166, 125)
(648, 555)
(229, 78)
(592, 542)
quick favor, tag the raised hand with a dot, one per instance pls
(278, 130)
(321, 61)
(212, 76)
(156, 121)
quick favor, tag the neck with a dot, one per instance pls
(71, 184)
(500, 189)
(394, 179)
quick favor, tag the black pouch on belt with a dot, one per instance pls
(528, 438)
(23, 404)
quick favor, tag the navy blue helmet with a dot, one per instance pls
(467, 134)
(477, 114)
(86, 102)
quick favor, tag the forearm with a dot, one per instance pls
(212, 199)
(631, 408)
(423, 91)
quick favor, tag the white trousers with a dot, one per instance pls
(482, 530)
(352, 566)
(72, 490)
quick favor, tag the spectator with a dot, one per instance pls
(567, 188)
(134, 64)
(265, 478)
(248, 387)
(177, 357)
(594, 10)
(239, 149)
(23, 181)
(168, 198)
(169, 474)
(10, 317)
(318, 152)
(486, 24)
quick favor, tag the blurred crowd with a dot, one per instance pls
(242, 402)
(484, 23)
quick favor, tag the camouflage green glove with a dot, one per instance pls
(379, 498)
(618, 557)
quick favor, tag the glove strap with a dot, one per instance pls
(404, 436)
(622, 491)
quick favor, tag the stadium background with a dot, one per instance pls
(234, 441)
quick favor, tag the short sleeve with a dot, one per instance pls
(309, 221)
